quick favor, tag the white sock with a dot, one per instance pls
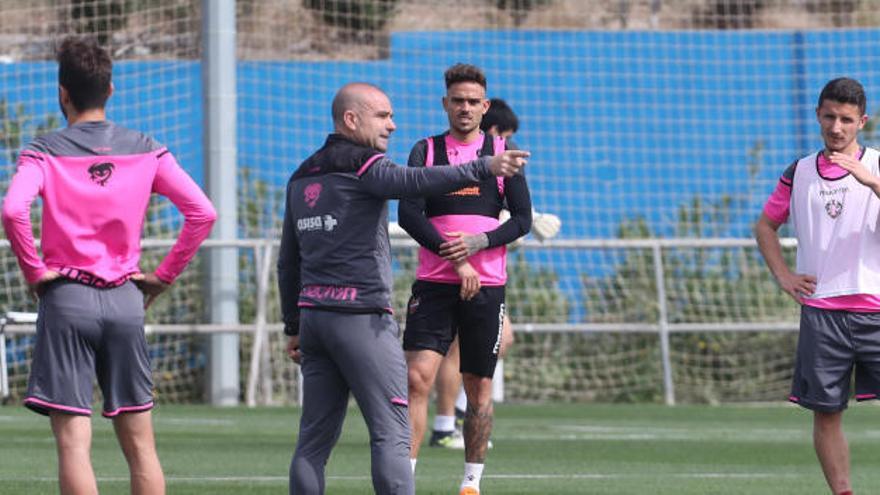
(461, 401)
(413, 461)
(444, 423)
(472, 475)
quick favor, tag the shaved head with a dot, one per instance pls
(352, 96)
(363, 112)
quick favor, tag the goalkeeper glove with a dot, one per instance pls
(396, 231)
(545, 226)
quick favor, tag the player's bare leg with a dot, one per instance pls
(73, 439)
(832, 449)
(447, 387)
(477, 428)
(135, 434)
(422, 368)
(448, 381)
(478, 417)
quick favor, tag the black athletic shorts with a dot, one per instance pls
(435, 314)
(830, 344)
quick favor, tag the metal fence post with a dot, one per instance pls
(219, 86)
(4, 377)
(260, 374)
(660, 280)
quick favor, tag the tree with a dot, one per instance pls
(533, 294)
(17, 126)
(702, 285)
(100, 18)
(727, 14)
(519, 9)
(260, 206)
(356, 18)
(871, 132)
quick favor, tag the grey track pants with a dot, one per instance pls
(360, 353)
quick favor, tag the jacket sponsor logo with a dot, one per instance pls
(100, 172)
(312, 193)
(329, 292)
(833, 208)
(311, 224)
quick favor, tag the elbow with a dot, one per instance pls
(523, 223)
(404, 219)
(210, 215)
(760, 231)
(13, 213)
(763, 228)
(206, 215)
(7, 214)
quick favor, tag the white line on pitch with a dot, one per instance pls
(195, 421)
(582, 476)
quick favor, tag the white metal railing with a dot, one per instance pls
(5, 319)
(260, 376)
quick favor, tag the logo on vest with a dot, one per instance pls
(100, 172)
(466, 191)
(833, 208)
(312, 193)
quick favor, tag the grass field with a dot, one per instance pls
(558, 449)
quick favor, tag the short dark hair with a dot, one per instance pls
(464, 73)
(84, 70)
(501, 116)
(845, 90)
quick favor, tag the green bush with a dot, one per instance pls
(354, 17)
(519, 9)
(100, 18)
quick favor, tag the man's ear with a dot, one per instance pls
(63, 95)
(350, 119)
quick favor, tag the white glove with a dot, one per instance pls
(545, 226)
(396, 231)
(503, 217)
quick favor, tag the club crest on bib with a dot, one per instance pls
(833, 208)
(312, 193)
(100, 172)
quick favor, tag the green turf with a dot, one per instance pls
(559, 449)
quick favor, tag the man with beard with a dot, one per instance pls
(459, 287)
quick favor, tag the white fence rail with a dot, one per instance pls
(259, 372)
